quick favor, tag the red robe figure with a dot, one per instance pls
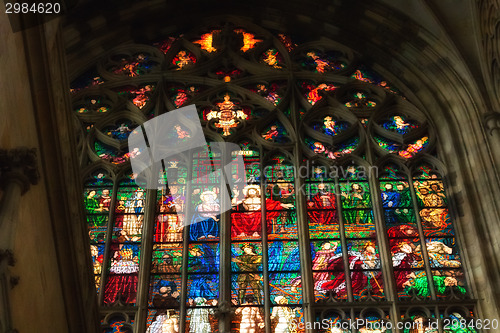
(322, 207)
(248, 222)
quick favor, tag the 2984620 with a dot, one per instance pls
(35, 8)
(482, 324)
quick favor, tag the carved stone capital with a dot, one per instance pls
(19, 165)
(8, 256)
(492, 121)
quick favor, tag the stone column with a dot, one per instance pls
(18, 170)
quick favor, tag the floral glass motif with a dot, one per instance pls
(183, 59)
(139, 96)
(405, 151)
(360, 101)
(206, 41)
(312, 91)
(399, 124)
(249, 40)
(93, 105)
(227, 115)
(272, 58)
(322, 62)
(133, 66)
(276, 132)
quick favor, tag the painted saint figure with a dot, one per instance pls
(355, 200)
(251, 317)
(205, 222)
(248, 221)
(247, 263)
(199, 317)
(283, 314)
(228, 115)
(322, 207)
(165, 320)
(390, 200)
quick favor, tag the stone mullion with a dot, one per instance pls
(109, 236)
(423, 246)
(265, 247)
(185, 244)
(145, 266)
(383, 245)
(381, 235)
(224, 307)
(302, 225)
(343, 242)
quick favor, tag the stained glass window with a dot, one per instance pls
(344, 214)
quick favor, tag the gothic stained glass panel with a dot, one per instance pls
(92, 104)
(122, 279)
(120, 130)
(313, 92)
(206, 41)
(332, 152)
(403, 150)
(272, 58)
(97, 201)
(322, 62)
(184, 59)
(118, 325)
(322, 210)
(237, 99)
(139, 96)
(272, 92)
(440, 244)
(89, 79)
(399, 124)
(133, 66)
(180, 95)
(275, 132)
(249, 40)
(365, 269)
(328, 269)
(284, 268)
(330, 126)
(366, 75)
(359, 100)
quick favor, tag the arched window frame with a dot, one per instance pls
(295, 146)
